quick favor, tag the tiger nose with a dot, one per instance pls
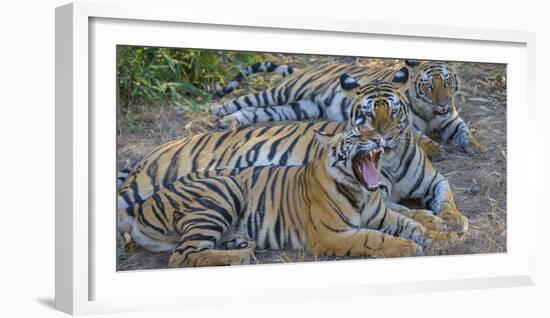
(443, 106)
(442, 100)
(377, 138)
(442, 103)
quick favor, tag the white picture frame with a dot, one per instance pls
(85, 282)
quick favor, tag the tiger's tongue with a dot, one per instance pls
(370, 174)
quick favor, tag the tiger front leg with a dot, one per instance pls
(440, 200)
(455, 132)
(454, 219)
(363, 242)
(428, 219)
(425, 217)
(394, 223)
(473, 147)
(433, 150)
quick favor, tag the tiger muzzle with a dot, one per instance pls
(442, 109)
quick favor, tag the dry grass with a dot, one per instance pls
(479, 184)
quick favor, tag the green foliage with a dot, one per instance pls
(180, 77)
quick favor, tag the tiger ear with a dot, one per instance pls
(324, 138)
(401, 76)
(452, 69)
(412, 63)
(401, 79)
(349, 85)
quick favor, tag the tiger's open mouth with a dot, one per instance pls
(442, 110)
(365, 167)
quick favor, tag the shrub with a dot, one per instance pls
(184, 78)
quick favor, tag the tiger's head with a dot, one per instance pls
(380, 106)
(435, 84)
(353, 156)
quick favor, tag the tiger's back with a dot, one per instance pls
(308, 94)
(289, 144)
(315, 93)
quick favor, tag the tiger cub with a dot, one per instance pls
(432, 94)
(407, 173)
(316, 93)
(330, 206)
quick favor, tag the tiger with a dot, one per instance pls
(432, 95)
(330, 206)
(315, 93)
(382, 106)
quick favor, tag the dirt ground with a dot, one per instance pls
(478, 183)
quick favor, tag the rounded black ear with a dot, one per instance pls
(347, 82)
(401, 76)
(412, 63)
(290, 70)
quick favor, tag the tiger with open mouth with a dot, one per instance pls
(330, 206)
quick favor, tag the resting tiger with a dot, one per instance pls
(432, 94)
(406, 171)
(316, 93)
(330, 206)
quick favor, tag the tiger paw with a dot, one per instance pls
(439, 238)
(129, 244)
(233, 121)
(226, 124)
(242, 256)
(455, 221)
(440, 155)
(429, 220)
(474, 148)
(399, 247)
(218, 111)
(433, 150)
(212, 258)
(237, 242)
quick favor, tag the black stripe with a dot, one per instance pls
(198, 237)
(124, 195)
(209, 227)
(406, 167)
(213, 217)
(458, 127)
(420, 176)
(447, 124)
(345, 191)
(143, 220)
(197, 155)
(376, 211)
(383, 218)
(248, 101)
(333, 229)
